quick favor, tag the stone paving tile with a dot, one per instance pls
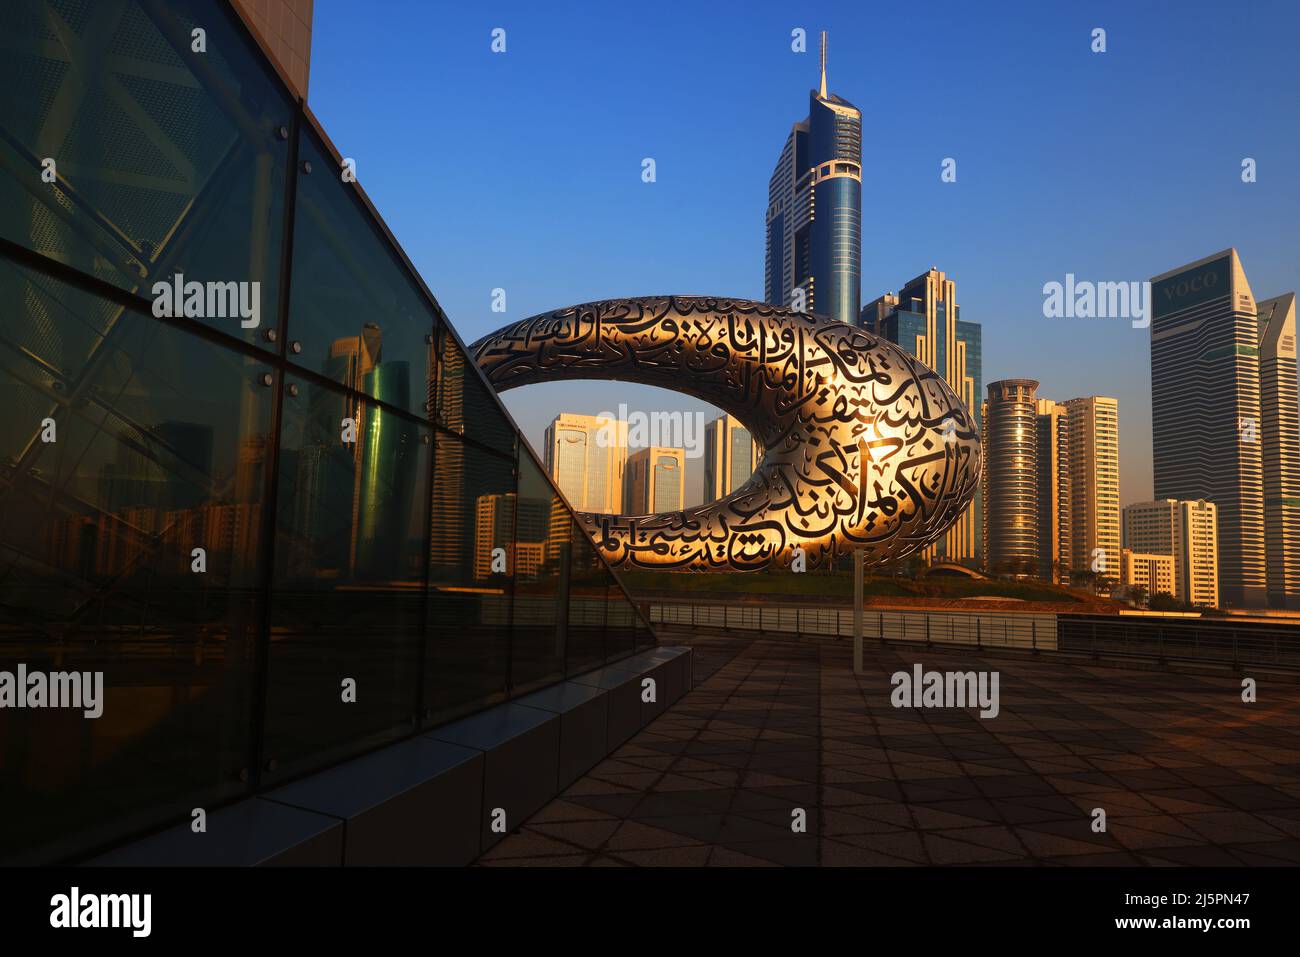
(1187, 774)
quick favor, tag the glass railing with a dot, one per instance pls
(247, 474)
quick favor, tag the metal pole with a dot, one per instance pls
(857, 611)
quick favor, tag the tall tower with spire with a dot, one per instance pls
(814, 210)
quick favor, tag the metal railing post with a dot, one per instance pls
(857, 611)
(1033, 635)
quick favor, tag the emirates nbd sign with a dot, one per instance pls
(1211, 280)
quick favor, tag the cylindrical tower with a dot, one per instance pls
(1011, 463)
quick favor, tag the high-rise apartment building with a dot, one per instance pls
(1151, 572)
(1011, 477)
(730, 456)
(814, 210)
(1208, 431)
(1092, 427)
(1187, 531)
(1055, 546)
(586, 456)
(656, 480)
(925, 320)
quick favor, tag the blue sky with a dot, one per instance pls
(522, 170)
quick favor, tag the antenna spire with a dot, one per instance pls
(823, 89)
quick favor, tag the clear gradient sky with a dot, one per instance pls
(522, 170)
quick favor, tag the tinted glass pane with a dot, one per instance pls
(620, 625)
(165, 160)
(541, 566)
(348, 594)
(471, 527)
(645, 637)
(354, 307)
(589, 584)
(126, 446)
(464, 404)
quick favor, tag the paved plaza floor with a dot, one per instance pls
(1186, 772)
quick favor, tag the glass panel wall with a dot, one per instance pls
(354, 307)
(471, 584)
(132, 158)
(274, 552)
(541, 563)
(132, 490)
(589, 581)
(347, 614)
(464, 405)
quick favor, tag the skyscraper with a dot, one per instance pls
(1223, 416)
(586, 456)
(1187, 531)
(1011, 477)
(924, 319)
(730, 457)
(1279, 432)
(656, 480)
(1055, 546)
(1092, 425)
(814, 210)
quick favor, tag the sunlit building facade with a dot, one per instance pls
(1092, 430)
(586, 456)
(1011, 477)
(1055, 509)
(730, 456)
(1187, 531)
(656, 480)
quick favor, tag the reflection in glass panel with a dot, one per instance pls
(470, 581)
(132, 479)
(354, 308)
(645, 638)
(464, 404)
(620, 625)
(541, 566)
(348, 594)
(589, 581)
(166, 162)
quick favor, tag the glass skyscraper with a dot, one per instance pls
(730, 456)
(1224, 420)
(814, 211)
